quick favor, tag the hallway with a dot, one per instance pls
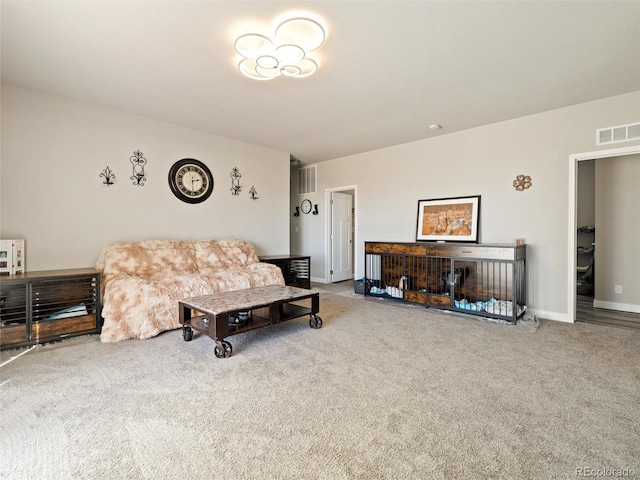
(585, 312)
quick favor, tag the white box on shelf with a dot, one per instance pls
(12, 256)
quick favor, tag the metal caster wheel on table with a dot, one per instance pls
(315, 321)
(226, 350)
(187, 334)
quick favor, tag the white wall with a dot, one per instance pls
(53, 150)
(617, 260)
(482, 161)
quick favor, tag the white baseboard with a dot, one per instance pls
(621, 307)
(556, 316)
(324, 280)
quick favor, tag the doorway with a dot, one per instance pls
(586, 222)
(340, 233)
(573, 217)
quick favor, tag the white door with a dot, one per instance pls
(341, 241)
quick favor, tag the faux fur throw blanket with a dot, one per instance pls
(142, 282)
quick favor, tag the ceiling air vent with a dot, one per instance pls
(307, 180)
(620, 133)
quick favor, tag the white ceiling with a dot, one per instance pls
(387, 70)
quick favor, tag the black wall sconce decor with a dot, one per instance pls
(253, 193)
(297, 212)
(235, 181)
(315, 209)
(138, 162)
(108, 175)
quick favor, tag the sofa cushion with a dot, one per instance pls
(127, 303)
(263, 274)
(215, 255)
(148, 259)
(138, 308)
(228, 280)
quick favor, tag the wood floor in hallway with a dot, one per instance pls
(585, 312)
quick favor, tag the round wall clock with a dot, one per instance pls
(190, 180)
(305, 206)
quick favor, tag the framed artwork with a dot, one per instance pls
(448, 219)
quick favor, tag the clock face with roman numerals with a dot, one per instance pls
(190, 180)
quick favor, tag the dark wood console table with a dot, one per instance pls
(39, 307)
(296, 269)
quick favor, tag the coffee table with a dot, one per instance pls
(229, 313)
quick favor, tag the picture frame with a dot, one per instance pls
(453, 219)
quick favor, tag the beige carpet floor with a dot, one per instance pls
(382, 391)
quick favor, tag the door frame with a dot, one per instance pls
(327, 226)
(573, 214)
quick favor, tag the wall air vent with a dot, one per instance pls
(620, 133)
(307, 180)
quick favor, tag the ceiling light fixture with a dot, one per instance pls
(284, 54)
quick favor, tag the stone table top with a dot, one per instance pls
(247, 299)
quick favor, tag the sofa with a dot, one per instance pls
(142, 282)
